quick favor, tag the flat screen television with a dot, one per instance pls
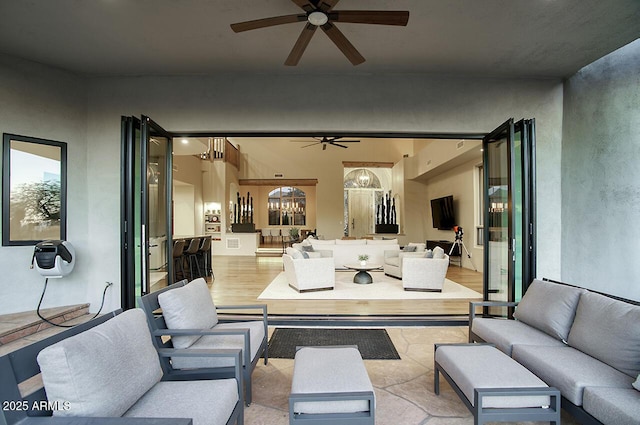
(443, 213)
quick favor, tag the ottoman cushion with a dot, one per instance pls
(484, 366)
(330, 370)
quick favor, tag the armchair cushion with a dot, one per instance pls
(549, 307)
(206, 401)
(188, 307)
(104, 370)
(256, 335)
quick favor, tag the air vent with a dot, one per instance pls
(233, 243)
(460, 144)
(278, 175)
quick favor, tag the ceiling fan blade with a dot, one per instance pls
(306, 5)
(343, 44)
(379, 17)
(338, 144)
(349, 141)
(326, 5)
(312, 144)
(267, 22)
(301, 45)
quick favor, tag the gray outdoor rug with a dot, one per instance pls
(373, 344)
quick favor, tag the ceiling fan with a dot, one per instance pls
(320, 13)
(325, 141)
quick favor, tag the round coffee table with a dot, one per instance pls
(363, 277)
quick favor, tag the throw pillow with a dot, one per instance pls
(410, 248)
(428, 253)
(189, 307)
(420, 247)
(307, 248)
(438, 253)
(294, 253)
(549, 307)
(636, 384)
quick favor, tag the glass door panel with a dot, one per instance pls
(498, 255)
(131, 221)
(158, 212)
(146, 213)
(156, 208)
(509, 212)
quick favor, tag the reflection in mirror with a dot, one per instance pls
(33, 190)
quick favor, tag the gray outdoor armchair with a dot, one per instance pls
(184, 316)
(107, 371)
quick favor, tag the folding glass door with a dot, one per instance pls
(509, 255)
(146, 208)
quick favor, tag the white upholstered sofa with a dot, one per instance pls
(347, 251)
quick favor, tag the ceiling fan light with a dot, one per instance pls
(317, 18)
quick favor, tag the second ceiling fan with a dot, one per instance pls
(325, 141)
(320, 13)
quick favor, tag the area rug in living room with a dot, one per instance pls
(382, 288)
(373, 344)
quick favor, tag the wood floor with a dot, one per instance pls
(240, 280)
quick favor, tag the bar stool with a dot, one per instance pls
(191, 256)
(204, 254)
(178, 260)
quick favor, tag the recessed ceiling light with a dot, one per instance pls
(185, 142)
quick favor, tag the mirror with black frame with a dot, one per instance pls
(34, 180)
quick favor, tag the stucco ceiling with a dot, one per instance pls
(515, 38)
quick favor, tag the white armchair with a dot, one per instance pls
(417, 272)
(424, 274)
(393, 261)
(309, 274)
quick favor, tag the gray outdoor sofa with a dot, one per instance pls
(584, 343)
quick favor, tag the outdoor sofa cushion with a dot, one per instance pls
(549, 307)
(505, 333)
(104, 370)
(569, 370)
(188, 307)
(612, 406)
(608, 330)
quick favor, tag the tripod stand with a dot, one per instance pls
(460, 244)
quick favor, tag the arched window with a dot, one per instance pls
(361, 179)
(287, 207)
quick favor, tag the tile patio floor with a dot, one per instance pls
(404, 388)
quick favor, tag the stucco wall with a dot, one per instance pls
(404, 103)
(601, 175)
(354, 102)
(41, 102)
